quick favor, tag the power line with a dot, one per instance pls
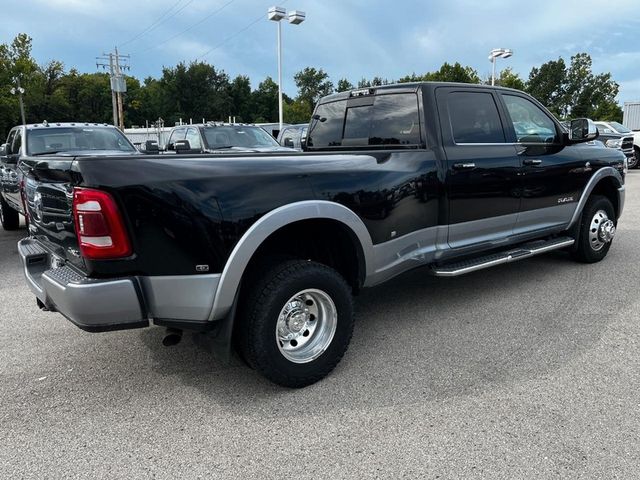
(152, 24)
(200, 22)
(159, 21)
(244, 29)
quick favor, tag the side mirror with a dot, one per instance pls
(9, 157)
(3, 150)
(582, 130)
(288, 142)
(151, 146)
(181, 146)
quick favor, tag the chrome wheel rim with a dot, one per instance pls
(601, 231)
(306, 325)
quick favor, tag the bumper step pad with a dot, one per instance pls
(523, 251)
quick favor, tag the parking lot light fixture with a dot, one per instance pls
(295, 17)
(493, 56)
(18, 90)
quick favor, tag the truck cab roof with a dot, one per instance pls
(45, 124)
(404, 88)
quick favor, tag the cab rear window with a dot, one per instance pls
(391, 121)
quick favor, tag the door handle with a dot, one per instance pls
(464, 166)
(532, 161)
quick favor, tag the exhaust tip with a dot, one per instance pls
(172, 337)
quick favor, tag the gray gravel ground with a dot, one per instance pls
(526, 370)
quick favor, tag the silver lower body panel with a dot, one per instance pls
(114, 304)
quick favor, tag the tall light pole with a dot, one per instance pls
(18, 90)
(295, 17)
(493, 56)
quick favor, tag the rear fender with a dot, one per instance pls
(270, 223)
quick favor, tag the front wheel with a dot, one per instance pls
(597, 229)
(296, 323)
(9, 217)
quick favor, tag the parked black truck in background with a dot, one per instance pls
(59, 139)
(263, 252)
(216, 137)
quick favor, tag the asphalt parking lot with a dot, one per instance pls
(526, 370)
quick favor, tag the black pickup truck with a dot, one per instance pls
(52, 139)
(263, 252)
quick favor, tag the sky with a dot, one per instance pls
(350, 38)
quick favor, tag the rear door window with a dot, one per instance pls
(396, 120)
(474, 118)
(194, 138)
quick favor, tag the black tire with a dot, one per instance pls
(635, 160)
(585, 251)
(266, 296)
(9, 217)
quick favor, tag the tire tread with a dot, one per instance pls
(262, 291)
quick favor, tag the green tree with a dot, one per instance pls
(16, 62)
(312, 85)
(240, 93)
(446, 73)
(42, 101)
(297, 111)
(589, 95)
(410, 78)
(378, 81)
(194, 92)
(265, 101)
(547, 83)
(87, 96)
(344, 85)
(508, 78)
(454, 73)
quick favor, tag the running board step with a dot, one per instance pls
(521, 252)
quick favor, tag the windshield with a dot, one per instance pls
(232, 136)
(619, 127)
(62, 139)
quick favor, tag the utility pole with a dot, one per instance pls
(114, 95)
(116, 64)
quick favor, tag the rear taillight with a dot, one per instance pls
(99, 225)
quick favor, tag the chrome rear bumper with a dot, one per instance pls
(93, 305)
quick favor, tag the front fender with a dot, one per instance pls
(601, 174)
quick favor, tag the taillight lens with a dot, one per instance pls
(99, 225)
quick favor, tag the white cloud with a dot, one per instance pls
(347, 39)
(631, 89)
